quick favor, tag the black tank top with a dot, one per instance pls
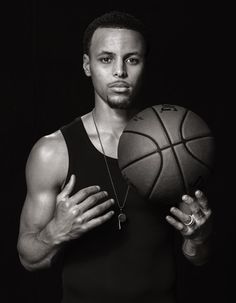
(108, 265)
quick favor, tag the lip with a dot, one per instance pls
(120, 89)
(119, 84)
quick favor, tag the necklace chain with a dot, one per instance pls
(121, 216)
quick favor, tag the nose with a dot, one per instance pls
(119, 69)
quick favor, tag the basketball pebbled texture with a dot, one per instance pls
(166, 151)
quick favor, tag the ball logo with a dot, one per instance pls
(168, 107)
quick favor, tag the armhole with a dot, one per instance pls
(68, 155)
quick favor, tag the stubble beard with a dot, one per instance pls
(124, 103)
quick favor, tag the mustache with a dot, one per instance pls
(119, 84)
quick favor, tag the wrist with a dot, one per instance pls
(200, 239)
(48, 236)
(189, 247)
(196, 241)
(195, 251)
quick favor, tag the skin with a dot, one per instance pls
(51, 216)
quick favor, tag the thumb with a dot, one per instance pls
(64, 194)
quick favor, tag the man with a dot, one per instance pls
(116, 246)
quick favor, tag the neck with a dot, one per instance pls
(112, 120)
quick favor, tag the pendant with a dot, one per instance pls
(121, 219)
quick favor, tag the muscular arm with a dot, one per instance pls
(45, 173)
(51, 216)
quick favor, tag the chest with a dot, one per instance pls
(105, 144)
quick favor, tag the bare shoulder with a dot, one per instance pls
(50, 146)
(48, 159)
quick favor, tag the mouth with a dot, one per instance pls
(118, 84)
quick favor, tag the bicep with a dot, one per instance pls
(37, 211)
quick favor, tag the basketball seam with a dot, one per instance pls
(192, 139)
(195, 157)
(146, 156)
(164, 148)
(141, 158)
(184, 141)
(173, 150)
(145, 135)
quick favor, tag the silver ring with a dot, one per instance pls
(191, 222)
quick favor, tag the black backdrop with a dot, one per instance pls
(43, 87)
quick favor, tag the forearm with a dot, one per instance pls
(36, 250)
(197, 252)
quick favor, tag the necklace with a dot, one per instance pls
(122, 216)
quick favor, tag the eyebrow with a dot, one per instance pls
(111, 53)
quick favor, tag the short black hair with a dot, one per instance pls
(115, 19)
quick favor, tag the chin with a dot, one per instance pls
(119, 104)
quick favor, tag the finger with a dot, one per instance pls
(92, 200)
(98, 221)
(202, 200)
(97, 210)
(64, 194)
(176, 224)
(184, 218)
(194, 206)
(81, 209)
(83, 194)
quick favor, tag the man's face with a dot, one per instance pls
(115, 64)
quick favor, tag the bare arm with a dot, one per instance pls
(50, 217)
(35, 243)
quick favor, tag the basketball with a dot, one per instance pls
(166, 151)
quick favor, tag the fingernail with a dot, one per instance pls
(198, 193)
(185, 197)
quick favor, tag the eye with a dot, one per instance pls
(105, 60)
(133, 61)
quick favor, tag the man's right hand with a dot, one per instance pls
(77, 214)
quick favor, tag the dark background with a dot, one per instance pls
(43, 87)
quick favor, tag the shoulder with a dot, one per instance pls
(49, 145)
(49, 148)
(48, 158)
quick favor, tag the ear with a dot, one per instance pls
(86, 65)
